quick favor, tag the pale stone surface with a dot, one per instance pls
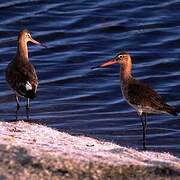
(32, 151)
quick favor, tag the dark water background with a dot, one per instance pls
(82, 34)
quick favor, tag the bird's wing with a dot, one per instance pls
(23, 79)
(141, 94)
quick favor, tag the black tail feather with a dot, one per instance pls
(30, 94)
(171, 110)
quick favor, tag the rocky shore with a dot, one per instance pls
(32, 151)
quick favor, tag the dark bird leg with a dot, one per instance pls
(27, 109)
(145, 121)
(17, 107)
(144, 124)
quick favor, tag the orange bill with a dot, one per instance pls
(38, 43)
(108, 63)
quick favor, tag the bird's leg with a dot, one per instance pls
(145, 124)
(144, 131)
(17, 106)
(145, 118)
(27, 109)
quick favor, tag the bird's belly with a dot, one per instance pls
(145, 109)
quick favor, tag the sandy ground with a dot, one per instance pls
(32, 151)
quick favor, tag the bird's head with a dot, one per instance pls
(26, 37)
(121, 58)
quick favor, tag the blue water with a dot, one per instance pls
(81, 34)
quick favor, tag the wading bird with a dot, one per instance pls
(140, 96)
(20, 73)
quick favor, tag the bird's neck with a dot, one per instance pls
(22, 50)
(126, 70)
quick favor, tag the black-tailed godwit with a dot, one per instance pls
(20, 73)
(140, 96)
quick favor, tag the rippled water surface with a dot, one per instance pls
(81, 34)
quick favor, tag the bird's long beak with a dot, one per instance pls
(107, 63)
(36, 42)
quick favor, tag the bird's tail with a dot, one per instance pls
(171, 110)
(30, 94)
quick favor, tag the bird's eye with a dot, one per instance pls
(28, 35)
(120, 56)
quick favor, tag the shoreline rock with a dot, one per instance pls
(33, 151)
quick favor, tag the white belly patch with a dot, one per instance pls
(28, 86)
